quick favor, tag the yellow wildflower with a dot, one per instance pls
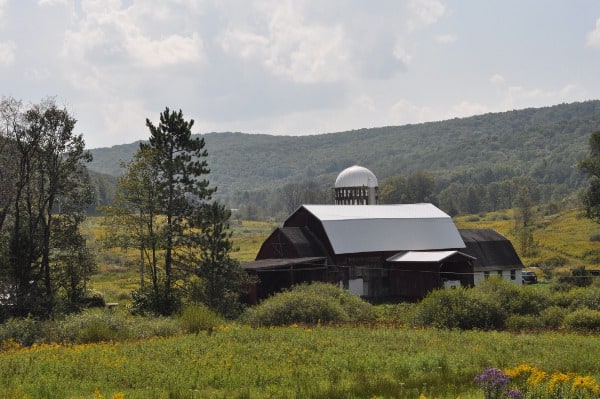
(519, 370)
(537, 377)
(584, 383)
(559, 378)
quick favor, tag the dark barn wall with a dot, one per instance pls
(462, 271)
(413, 281)
(277, 245)
(303, 218)
(272, 281)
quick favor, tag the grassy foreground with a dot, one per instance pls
(289, 362)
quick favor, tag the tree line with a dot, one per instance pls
(162, 206)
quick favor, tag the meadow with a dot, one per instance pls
(291, 362)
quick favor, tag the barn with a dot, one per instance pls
(396, 251)
(376, 251)
(494, 255)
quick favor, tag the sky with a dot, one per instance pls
(298, 67)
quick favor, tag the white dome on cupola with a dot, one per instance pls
(356, 186)
(356, 176)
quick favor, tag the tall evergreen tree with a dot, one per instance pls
(222, 280)
(176, 188)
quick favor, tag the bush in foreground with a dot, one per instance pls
(93, 325)
(309, 303)
(494, 304)
(583, 319)
(196, 318)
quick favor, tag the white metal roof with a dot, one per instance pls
(424, 256)
(378, 228)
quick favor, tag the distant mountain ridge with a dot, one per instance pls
(543, 143)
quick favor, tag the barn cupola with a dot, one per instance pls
(356, 185)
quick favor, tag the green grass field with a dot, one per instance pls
(290, 362)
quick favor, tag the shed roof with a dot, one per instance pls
(268, 264)
(386, 228)
(492, 249)
(426, 256)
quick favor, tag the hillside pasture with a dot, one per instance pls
(562, 240)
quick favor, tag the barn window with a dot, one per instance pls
(500, 273)
(513, 274)
(486, 274)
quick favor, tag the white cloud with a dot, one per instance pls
(445, 39)
(285, 44)
(497, 79)
(366, 103)
(424, 13)
(51, 2)
(109, 35)
(402, 55)
(173, 50)
(3, 4)
(593, 37)
(467, 108)
(7, 53)
(403, 112)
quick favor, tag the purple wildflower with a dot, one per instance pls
(493, 381)
(515, 394)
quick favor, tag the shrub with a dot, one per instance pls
(313, 303)
(461, 308)
(25, 331)
(196, 318)
(553, 316)
(146, 301)
(583, 320)
(91, 325)
(595, 237)
(486, 306)
(579, 297)
(96, 330)
(356, 308)
(592, 255)
(524, 322)
(514, 299)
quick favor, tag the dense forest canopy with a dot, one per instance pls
(481, 156)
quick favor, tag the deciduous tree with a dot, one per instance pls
(49, 174)
(591, 166)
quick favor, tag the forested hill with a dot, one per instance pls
(544, 144)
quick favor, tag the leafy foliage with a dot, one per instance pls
(591, 166)
(488, 155)
(45, 193)
(196, 318)
(309, 303)
(222, 281)
(497, 304)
